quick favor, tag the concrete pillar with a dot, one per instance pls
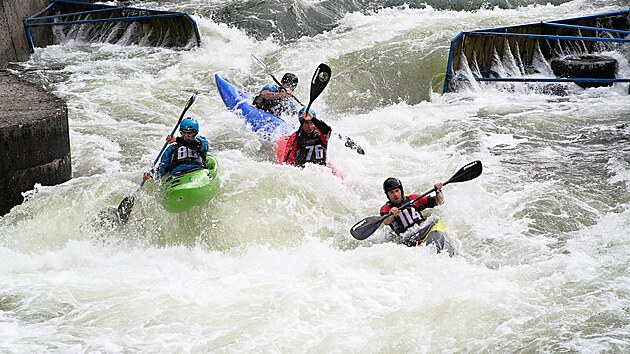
(34, 139)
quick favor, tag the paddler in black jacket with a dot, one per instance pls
(310, 142)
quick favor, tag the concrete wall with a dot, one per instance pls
(34, 139)
(13, 42)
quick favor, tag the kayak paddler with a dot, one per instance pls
(185, 152)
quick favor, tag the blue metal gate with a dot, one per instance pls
(116, 24)
(474, 54)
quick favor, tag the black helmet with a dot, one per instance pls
(290, 78)
(392, 183)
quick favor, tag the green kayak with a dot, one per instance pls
(194, 188)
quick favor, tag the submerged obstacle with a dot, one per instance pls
(554, 51)
(114, 24)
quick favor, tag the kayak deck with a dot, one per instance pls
(193, 188)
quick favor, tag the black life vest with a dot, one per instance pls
(407, 218)
(182, 154)
(310, 149)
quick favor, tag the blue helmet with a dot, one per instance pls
(189, 124)
(301, 114)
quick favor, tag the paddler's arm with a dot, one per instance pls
(280, 93)
(203, 150)
(269, 96)
(323, 127)
(164, 165)
(165, 162)
(388, 220)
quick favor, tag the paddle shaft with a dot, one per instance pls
(268, 71)
(191, 100)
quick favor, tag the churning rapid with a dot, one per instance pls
(269, 265)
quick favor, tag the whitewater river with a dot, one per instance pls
(269, 265)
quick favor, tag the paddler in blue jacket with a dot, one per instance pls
(407, 222)
(186, 152)
(277, 100)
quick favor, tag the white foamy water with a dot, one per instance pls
(269, 265)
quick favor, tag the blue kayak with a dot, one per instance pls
(261, 122)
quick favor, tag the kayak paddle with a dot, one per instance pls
(349, 142)
(124, 208)
(366, 227)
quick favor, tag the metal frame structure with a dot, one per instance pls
(162, 28)
(545, 39)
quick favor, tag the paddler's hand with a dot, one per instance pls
(394, 211)
(284, 94)
(146, 176)
(286, 91)
(307, 117)
(439, 197)
(170, 139)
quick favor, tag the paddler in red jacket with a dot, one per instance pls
(406, 222)
(310, 142)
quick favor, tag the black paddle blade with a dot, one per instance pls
(319, 81)
(124, 209)
(352, 145)
(366, 227)
(466, 173)
(190, 102)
